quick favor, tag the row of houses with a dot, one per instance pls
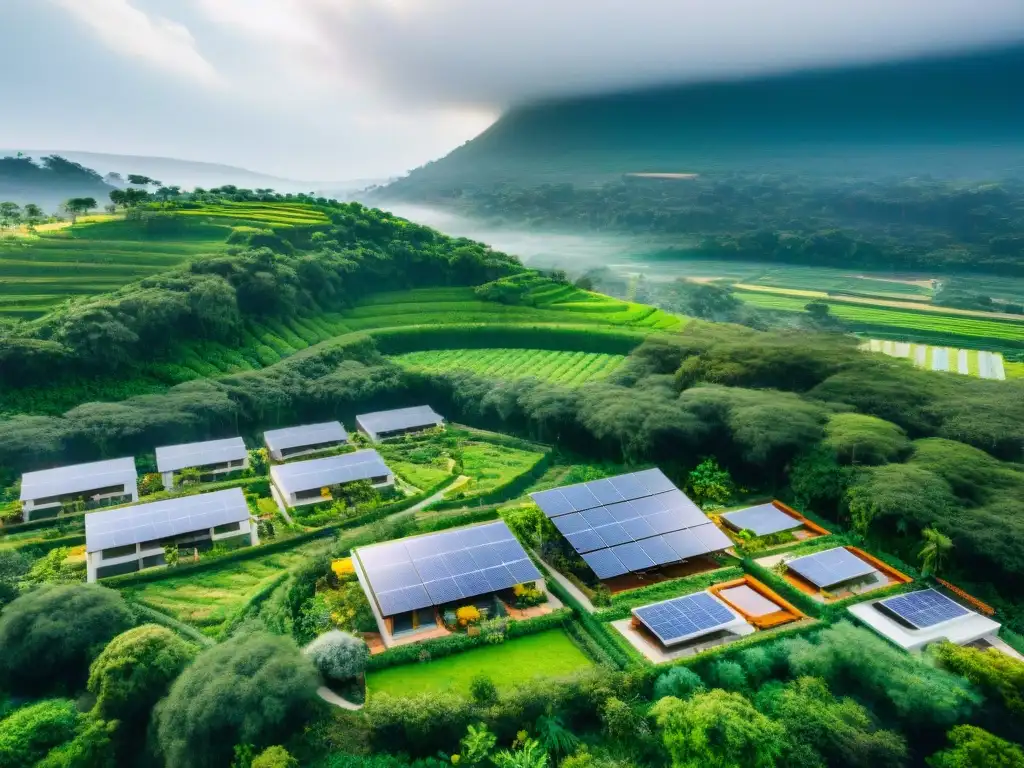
(115, 481)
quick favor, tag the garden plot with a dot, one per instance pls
(967, 362)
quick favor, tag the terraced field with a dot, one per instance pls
(968, 362)
(275, 214)
(925, 326)
(567, 368)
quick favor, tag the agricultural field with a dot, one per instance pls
(968, 362)
(273, 214)
(566, 368)
(546, 654)
(906, 323)
(210, 599)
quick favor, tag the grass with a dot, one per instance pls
(208, 600)
(567, 368)
(423, 476)
(492, 465)
(546, 654)
(1014, 370)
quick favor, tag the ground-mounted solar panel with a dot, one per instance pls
(630, 510)
(924, 609)
(761, 520)
(605, 564)
(684, 618)
(444, 567)
(831, 567)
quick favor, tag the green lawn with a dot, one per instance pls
(547, 654)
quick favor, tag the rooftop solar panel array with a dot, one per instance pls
(170, 458)
(762, 520)
(748, 600)
(300, 476)
(440, 568)
(924, 609)
(831, 567)
(401, 418)
(80, 477)
(159, 519)
(684, 618)
(308, 434)
(630, 523)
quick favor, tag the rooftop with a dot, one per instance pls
(79, 477)
(307, 434)
(401, 418)
(159, 519)
(170, 458)
(299, 476)
(831, 567)
(761, 520)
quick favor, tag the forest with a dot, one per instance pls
(895, 225)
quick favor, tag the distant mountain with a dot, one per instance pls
(48, 181)
(955, 116)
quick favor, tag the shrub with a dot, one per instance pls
(274, 757)
(339, 656)
(482, 689)
(252, 689)
(728, 675)
(680, 682)
(135, 670)
(28, 734)
(467, 614)
(971, 747)
(50, 635)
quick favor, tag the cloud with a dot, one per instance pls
(130, 32)
(498, 53)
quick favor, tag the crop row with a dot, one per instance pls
(571, 368)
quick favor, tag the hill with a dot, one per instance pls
(49, 181)
(944, 117)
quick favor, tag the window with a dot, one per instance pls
(109, 554)
(379, 480)
(227, 528)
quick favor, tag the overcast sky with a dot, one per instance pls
(343, 89)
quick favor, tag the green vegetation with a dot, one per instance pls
(568, 368)
(547, 654)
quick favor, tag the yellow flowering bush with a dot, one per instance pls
(343, 567)
(467, 614)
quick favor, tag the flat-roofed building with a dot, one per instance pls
(43, 493)
(210, 457)
(310, 481)
(132, 538)
(303, 440)
(381, 425)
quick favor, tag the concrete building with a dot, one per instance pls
(309, 482)
(211, 457)
(43, 493)
(381, 425)
(284, 444)
(132, 538)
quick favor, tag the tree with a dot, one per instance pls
(860, 439)
(681, 682)
(621, 722)
(710, 483)
(482, 689)
(78, 205)
(339, 656)
(10, 214)
(33, 214)
(994, 672)
(32, 731)
(972, 747)
(55, 568)
(934, 551)
(251, 689)
(92, 747)
(718, 729)
(135, 671)
(13, 567)
(274, 757)
(113, 178)
(129, 198)
(50, 635)
(142, 181)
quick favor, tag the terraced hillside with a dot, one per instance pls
(567, 368)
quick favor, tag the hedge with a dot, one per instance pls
(586, 643)
(623, 603)
(431, 525)
(252, 605)
(40, 547)
(456, 643)
(594, 628)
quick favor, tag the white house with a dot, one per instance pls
(132, 538)
(211, 457)
(303, 482)
(308, 438)
(381, 425)
(47, 490)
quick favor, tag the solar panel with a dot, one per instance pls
(159, 519)
(307, 434)
(170, 458)
(831, 567)
(444, 567)
(78, 478)
(683, 618)
(605, 564)
(398, 419)
(303, 476)
(924, 609)
(762, 520)
(626, 510)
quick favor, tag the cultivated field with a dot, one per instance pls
(969, 362)
(567, 368)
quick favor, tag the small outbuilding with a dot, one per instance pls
(384, 424)
(43, 493)
(132, 538)
(284, 444)
(310, 481)
(211, 458)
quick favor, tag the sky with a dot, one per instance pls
(333, 90)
